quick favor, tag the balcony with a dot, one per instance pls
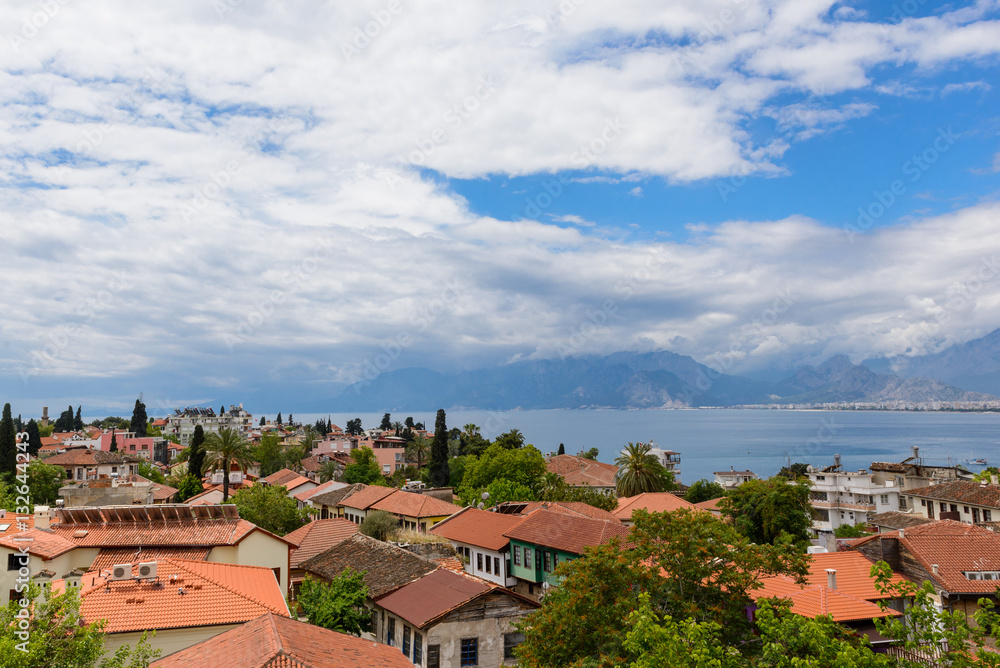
(844, 505)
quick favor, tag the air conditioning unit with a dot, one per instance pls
(121, 572)
(146, 570)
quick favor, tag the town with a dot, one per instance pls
(172, 541)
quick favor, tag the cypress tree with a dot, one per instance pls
(196, 457)
(34, 438)
(78, 420)
(140, 421)
(277, 420)
(562, 449)
(439, 471)
(114, 441)
(8, 444)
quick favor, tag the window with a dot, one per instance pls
(470, 652)
(538, 560)
(527, 557)
(923, 502)
(517, 556)
(965, 509)
(954, 508)
(555, 560)
(496, 565)
(547, 567)
(434, 656)
(479, 561)
(418, 648)
(510, 641)
(406, 641)
(16, 561)
(489, 565)
(975, 515)
(884, 499)
(391, 634)
(821, 477)
(944, 507)
(987, 516)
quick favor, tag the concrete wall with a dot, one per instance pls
(167, 641)
(257, 549)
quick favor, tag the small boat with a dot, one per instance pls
(980, 461)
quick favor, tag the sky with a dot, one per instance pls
(206, 201)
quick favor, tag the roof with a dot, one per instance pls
(853, 574)
(410, 504)
(654, 502)
(481, 528)
(386, 566)
(732, 472)
(112, 556)
(955, 547)
(577, 508)
(891, 467)
(287, 478)
(579, 471)
(365, 498)
(88, 457)
(273, 641)
(565, 532)
(212, 594)
(897, 520)
(160, 492)
(432, 596)
(44, 543)
(711, 504)
(960, 491)
(335, 496)
(815, 600)
(330, 485)
(318, 536)
(10, 525)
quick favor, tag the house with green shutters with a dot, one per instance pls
(546, 539)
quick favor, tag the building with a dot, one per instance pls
(294, 483)
(415, 512)
(184, 601)
(275, 641)
(478, 536)
(109, 492)
(574, 508)
(355, 507)
(732, 478)
(87, 464)
(847, 497)
(450, 619)
(328, 502)
(894, 520)
(911, 473)
(545, 539)
(584, 472)
(183, 422)
(963, 500)
(652, 502)
(669, 459)
(313, 539)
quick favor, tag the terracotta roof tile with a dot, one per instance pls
(287, 478)
(336, 496)
(44, 543)
(565, 532)
(711, 504)
(478, 527)
(213, 594)
(960, 491)
(109, 557)
(10, 525)
(815, 600)
(578, 471)
(88, 457)
(318, 536)
(576, 508)
(411, 504)
(328, 486)
(431, 596)
(853, 574)
(654, 502)
(386, 566)
(272, 641)
(365, 498)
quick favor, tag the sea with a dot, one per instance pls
(759, 440)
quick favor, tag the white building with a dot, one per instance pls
(671, 460)
(848, 497)
(182, 423)
(732, 479)
(478, 537)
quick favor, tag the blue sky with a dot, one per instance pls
(209, 201)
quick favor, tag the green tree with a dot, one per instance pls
(114, 442)
(189, 486)
(277, 420)
(338, 605)
(269, 454)
(418, 449)
(78, 419)
(57, 636)
(591, 453)
(471, 441)
(291, 420)
(354, 427)
(225, 448)
(8, 446)
(330, 470)
(984, 475)
(639, 471)
(852, 530)
(386, 423)
(764, 510)
(511, 440)
(44, 481)
(703, 490)
(196, 455)
(523, 466)
(562, 449)
(379, 524)
(503, 490)
(64, 422)
(794, 471)
(140, 420)
(270, 508)
(657, 642)
(364, 467)
(150, 471)
(438, 474)
(34, 437)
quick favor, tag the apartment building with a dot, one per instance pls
(183, 422)
(848, 497)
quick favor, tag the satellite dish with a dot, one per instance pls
(480, 505)
(486, 495)
(545, 586)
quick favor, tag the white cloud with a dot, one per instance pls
(965, 87)
(636, 192)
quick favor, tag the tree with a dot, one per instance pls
(64, 422)
(418, 449)
(139, 419)
(291, 420)
(438, 473)
(262, 421)
(56, 635)
(150, 471)
(225, 448)
(189, 486)
(503, 490)
(330, 470)
(379, 524)
(523, 466)
(354, 427)
(270, 508)
(471, 441)
(591, 453)
(764, 510)
(703, 490)
(562, 449)
(386, 424)
(34, 437)
(196, 458)
(114, 442)
(277, 420)
(640, 471)
(512, 439)
(44, 481)
(338, 605)
(269, 454)
(364, 468)
(78, 419)
(793, 471)
(8, 445)
(852, 530)
(320, 427)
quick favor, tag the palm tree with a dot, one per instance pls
(471, 429)
(397, 427)
(638, 471)
(418, 448)
(329, 471)
(548, 483)
(225, 448)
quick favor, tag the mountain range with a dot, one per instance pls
(664, 379)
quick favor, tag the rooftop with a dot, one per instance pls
(386, 566)
(363, 499)
(960, 491)
(565, 532)
(815, 600)
(579, 471)
(88, 457)
(112, 556)
(654, 502)
(318, 536)
(897, 520)
(411, 504)
(334, 497)
(481, 528)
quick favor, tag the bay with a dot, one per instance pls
(762, 441)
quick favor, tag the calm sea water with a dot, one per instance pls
(759, 440)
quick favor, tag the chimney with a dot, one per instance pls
(902, 534)
(836, 461)
(831, 578)
(934, 569)
(915, 449)
(994, 480)
(41, 517)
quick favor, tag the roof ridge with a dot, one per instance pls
(180, 563)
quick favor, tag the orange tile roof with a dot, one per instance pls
(88, 457)
(579, 471)
(319, 536)
(282, 477)
(576, 508)
(411, 504)
(13, 525)
(481, 528)
(329, 485)
(654, 502)
(109, 557)
(427, 598)
(853, 574)
(711, 504)
(272, 641)
(44, 543)
(213, 594)
(364, 498)
(565, 532)
(815, 600)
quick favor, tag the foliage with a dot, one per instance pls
(152, 472)
(338, 605)
(57, 636)
(354, 427)
(764, 510)
(225, 448)
(114, 442)
(364, 469)
(44, 480)
(656, 642)
(522, 466)
(34, 437)
(196, 455)
(438, 474)
(278, 420)
(386, 423)
(984, 475)
(503, 490)
(65, 421)
(8, 445)
(46, 430)
(189, 486)
(562, 449)
(591, 453)
(511, 440)
(330, 470)
(379, 524)
(320, 427)
(639, 471)
(456, 469)
(270, 508)
(553, 487)
(77, 419)
(418, 450)
(703, 490)
(852, 531)
(269, 454)
(794, 471)
(139, 419)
